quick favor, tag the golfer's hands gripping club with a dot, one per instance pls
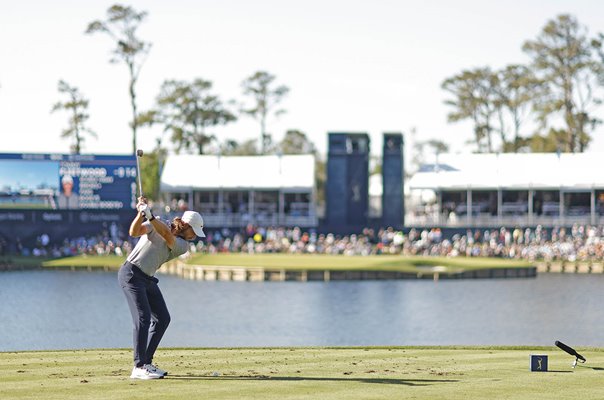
(144, 209)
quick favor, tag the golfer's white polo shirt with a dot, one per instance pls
(151, 251)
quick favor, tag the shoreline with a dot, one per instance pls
(254, 273)
(259, 274)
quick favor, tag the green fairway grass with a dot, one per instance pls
(83, 261)
(23, 261)
(305, 373)
(340, 262)
(313, 262)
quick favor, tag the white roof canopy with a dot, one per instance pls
(201, 172)
(511, 171)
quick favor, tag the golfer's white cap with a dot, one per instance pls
(194, 219)
(67, 179)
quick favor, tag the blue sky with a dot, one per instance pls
(368, 66)
(22, 174)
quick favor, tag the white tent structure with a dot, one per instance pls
(233, 191)
(523, 189)
(511, 170)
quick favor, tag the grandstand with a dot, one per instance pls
(492, 190)
(234, 191)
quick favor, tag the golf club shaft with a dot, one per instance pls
(138, 173)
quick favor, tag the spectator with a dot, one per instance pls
(579, 243)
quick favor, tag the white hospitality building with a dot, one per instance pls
(528, 189)
(234, 191)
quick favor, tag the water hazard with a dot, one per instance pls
(67, 310)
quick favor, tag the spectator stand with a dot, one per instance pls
(237, 191)
(491, 190)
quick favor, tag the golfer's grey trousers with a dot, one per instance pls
(150, 315)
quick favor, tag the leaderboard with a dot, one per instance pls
(67, 181)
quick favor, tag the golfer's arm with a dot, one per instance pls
(163, 231)
(136, 227)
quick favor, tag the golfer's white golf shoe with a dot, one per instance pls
(155, 369)
(144, 373)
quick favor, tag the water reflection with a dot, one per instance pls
(62, 310)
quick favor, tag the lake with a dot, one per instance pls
(73, 310)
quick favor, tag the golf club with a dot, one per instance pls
(139, 154)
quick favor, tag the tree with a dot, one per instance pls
(77, 106)
(260, 88)
(598, 45)
(296, 142)
(320, 179)
(551, 142)
(233, 148)
(121, 25)
(474, 97)
(436, 146)
(422, 149)
(189, 111)
(517, 88)
(562, 56)
(151, 166)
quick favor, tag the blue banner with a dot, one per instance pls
(67, 182)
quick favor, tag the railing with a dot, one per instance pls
(235, 220)
(488, 220)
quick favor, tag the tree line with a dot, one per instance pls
(559, 92)
(187, 111)
(547, 105)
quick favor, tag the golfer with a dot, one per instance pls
(158, 243)
(68, 199)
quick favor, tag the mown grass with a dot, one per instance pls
(23, 261)
(305, 373)
(81, 261)
(312, 262)
(339, 262)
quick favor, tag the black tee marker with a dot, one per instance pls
(570, 351)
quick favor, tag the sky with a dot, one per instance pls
(351, 66)
(22, 174)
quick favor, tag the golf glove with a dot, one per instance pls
(146, 211)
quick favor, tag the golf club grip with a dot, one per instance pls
(569, 350)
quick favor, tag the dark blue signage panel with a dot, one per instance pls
(67, 182)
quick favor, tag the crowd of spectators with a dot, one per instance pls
(576, 243)
(91, 245)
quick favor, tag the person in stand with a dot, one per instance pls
(159, 242)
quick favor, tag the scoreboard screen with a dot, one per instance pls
(67, 182)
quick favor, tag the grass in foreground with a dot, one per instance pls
(305, 373)
(312, 262)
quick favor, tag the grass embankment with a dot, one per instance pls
(353, 263)
(84, 261)
(314, 262)
(22, 261)
(305, 373)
